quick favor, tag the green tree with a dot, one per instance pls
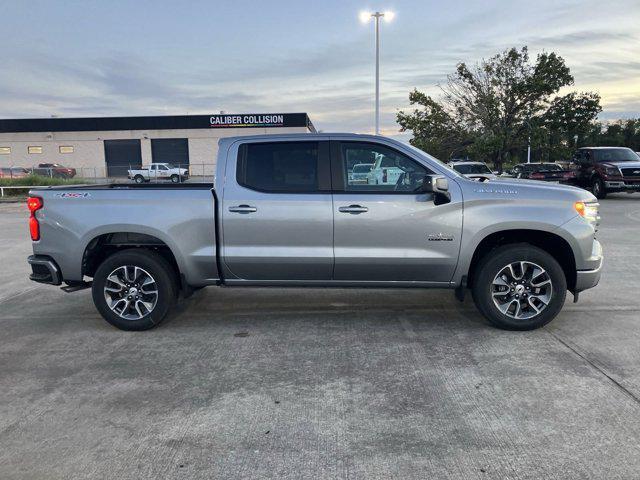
(490, 109)
(568, 121)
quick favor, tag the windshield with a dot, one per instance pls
(549, 167)
(469, 168)
(616, 155)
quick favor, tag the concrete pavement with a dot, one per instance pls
(319, 383)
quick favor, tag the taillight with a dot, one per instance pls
(384, 175)
(34, 204)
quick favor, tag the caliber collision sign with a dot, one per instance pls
(238, 121)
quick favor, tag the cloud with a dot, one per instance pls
(332, 81)
(580, 38)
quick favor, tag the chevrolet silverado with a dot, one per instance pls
(282, 212)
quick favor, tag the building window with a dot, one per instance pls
(5, 150)
(34, 149)
(65, 149)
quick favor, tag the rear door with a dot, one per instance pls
(277, 216)
(387, 232)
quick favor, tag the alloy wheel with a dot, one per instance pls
(521, 290)
(131, 292)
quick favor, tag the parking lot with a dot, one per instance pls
(321, 383)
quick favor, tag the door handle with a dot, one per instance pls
(243, 209)
(353, 209)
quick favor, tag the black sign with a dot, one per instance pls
(248, 121)
(244, 120)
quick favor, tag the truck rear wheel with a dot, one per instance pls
(134, 289)
(519, 287)
(138, 179)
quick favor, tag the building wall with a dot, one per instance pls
(88, 156)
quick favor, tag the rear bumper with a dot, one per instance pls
(44, 270)
(586, 279)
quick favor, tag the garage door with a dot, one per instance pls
(120, 155)
(170, 150)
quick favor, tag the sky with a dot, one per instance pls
(109, 58)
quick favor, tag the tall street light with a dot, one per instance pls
(365, 17)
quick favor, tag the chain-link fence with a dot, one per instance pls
(156, 173)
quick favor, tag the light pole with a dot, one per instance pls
(528, 141)
(365, 17)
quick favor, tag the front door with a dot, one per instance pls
(388, 232)
(277, 217)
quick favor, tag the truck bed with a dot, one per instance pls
(131, 186)
(180, 216)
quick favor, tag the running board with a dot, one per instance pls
(76, 287)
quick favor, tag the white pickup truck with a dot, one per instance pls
(158, 171)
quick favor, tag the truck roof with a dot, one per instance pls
(282, 136)
(604, 148)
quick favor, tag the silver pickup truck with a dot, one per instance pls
(283, 212)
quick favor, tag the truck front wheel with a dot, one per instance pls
(134, 289)
(519, 287)
(598, 188)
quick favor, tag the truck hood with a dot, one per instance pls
(525, 188)
(622, 164)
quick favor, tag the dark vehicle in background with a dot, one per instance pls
(54, 170)
(13, 172)
(473, 170)
(605, 170)
(548, 172)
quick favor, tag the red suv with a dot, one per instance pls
(54, 170)
(607, 169)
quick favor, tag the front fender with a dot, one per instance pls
(484, 217)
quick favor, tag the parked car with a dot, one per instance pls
(359, 172)
(277, 214)
(54, 170)
(473, 170)
(13, 172)
(549, 172)
(158, 171)
(607, 169)
(384, 171)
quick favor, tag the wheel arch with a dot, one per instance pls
(105, 244)
(552, 243)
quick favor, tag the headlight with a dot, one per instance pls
(613, 171)
(588, 211)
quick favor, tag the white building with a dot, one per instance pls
(107, 146)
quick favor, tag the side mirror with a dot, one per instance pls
(439, 186)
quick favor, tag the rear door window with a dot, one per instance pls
(280, 167)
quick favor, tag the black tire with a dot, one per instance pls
(175, 178)
(497, 260)
(158, 268)
(598, 188)
(138, 179)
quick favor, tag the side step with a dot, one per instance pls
(76, 286)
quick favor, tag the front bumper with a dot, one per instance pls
(586, 279)
(44, 270)
(629, 185)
